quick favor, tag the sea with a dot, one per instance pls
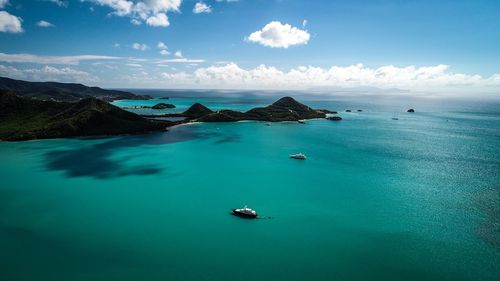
(417, 198)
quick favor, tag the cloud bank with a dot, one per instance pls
(48, 73)
(69, 60)
(427, 78)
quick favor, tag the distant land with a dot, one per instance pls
(69, 92)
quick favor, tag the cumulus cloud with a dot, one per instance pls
(426, 78)
(201, 7)
(10, 23)
(140, 47)
(151, 12)
(43, 23)
(159, 19)
(178, 54)
(164, 52)
(48, 73)
(278, 35)
(161, 46)
(70, 60)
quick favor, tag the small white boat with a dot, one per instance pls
(299, 156)
(245, 212)
(301, 121)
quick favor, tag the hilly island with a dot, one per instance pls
(26, 116)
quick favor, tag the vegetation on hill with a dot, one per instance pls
(26, 118)
(63, 91)
(285, 109)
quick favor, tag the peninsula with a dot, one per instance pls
(26, 118)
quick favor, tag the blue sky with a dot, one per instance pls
(227, 45)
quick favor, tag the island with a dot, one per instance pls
(162, 105)
(284, 109)
(411, 110)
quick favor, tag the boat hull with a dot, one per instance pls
(244, 215)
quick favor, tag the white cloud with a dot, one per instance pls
(229, 1)
(178, 54)
(278, 35)
(180, 76)
(164, 52)
(161, 46)
(10, 23)
(181, 60)
(151, 12)
(140, 47)
(70, 60)
(201, 7)
(48, 73)
(159, 19)
(134, 64)
(304, 23)
(43, 23)
(59, 3)
(3, 3)
(116, 45)
(428, 78)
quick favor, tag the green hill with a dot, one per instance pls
(63, 91)
(285, 109)
(25, 118)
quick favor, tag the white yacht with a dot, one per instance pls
(245, 212)
(299, 156)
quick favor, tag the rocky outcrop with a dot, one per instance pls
(334, 118)
(411, 110)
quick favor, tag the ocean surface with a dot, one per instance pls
(377, 199)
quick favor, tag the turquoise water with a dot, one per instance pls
(377, 199)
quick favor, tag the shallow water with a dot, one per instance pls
(377, 199)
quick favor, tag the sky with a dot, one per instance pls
(417, 45)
